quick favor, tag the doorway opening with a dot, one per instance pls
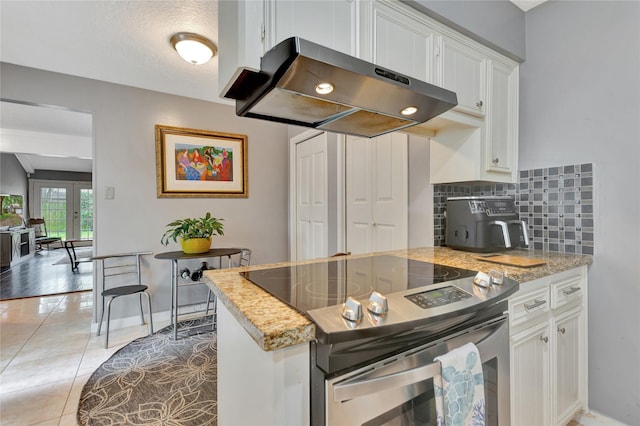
(47, 157)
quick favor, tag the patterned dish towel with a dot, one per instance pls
(459, 388)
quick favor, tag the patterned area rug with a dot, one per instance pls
(156, 380)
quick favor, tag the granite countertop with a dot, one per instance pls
(274, 325)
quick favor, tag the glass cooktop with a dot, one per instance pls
(318, 285)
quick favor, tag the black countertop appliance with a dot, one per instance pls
(484, 224)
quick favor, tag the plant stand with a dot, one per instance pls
(175, 257)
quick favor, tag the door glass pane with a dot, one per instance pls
(53, 207)
(86, 214)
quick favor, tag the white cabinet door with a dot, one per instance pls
(463, 70)
(376, 193)
(402, 43)
(501, 137)
(359, 204)
(312, 212)
(329, 23)
(530, 373)
(567, 365)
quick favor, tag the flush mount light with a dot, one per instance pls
(193, 48)
(324, 88)
(409, 110)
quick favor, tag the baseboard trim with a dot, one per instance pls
(158, 318)
(593, 418)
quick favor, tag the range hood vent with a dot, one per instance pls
(305, 84)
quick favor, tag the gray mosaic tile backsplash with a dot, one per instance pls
(556, 203)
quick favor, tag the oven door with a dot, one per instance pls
(399, 390)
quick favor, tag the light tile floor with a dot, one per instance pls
(47, 354)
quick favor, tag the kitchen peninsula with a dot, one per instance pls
(263, 355)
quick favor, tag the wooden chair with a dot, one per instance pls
(121, 276)
(39, 225)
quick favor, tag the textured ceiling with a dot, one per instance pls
(125, 42)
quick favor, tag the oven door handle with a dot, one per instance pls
(353, 389)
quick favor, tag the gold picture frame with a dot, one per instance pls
(193, 163)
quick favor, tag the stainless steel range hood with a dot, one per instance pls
(363, 99)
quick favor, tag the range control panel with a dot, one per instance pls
(493, 207)
(442, 296)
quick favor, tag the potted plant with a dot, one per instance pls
(195, 233)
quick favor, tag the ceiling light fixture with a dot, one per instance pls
(193, 48)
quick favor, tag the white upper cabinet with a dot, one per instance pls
(329, 23)
(478, 139)
(501, 155)
(400, 42)
(475, 141)
(474, 148)
(463, 71)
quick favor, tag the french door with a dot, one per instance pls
(67, 207)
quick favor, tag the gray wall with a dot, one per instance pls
(498, 24)
(124, 149)
(13, 178)
(580, 103)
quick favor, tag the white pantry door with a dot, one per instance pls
(377, 193)
(312, 214)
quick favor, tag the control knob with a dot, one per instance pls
(352, 310)
(378, 304)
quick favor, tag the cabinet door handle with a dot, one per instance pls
(535, 304)
(570, 290)
(544, 339)
(496, 160)
(562, 330)
(479, 104)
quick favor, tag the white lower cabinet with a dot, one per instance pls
(549, 349)
(568, 360)
(530, 374)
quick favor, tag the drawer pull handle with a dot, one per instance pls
(535, 304)
(562, 330)
(570, 290)
(544, 339)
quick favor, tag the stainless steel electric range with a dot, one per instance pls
(381, 319)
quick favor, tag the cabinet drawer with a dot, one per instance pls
(566, 291)
(528, 307)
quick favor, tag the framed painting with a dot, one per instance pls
(192, 163)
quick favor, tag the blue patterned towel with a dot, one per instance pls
(460, 388)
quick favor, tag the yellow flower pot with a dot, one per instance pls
(195, 245)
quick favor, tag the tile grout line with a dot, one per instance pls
(30, 336)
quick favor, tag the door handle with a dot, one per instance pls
(522, 224)
(535, 304)
(570, 290)
(505, 231)
(347, 391)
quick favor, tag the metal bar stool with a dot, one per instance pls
(121, 276)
